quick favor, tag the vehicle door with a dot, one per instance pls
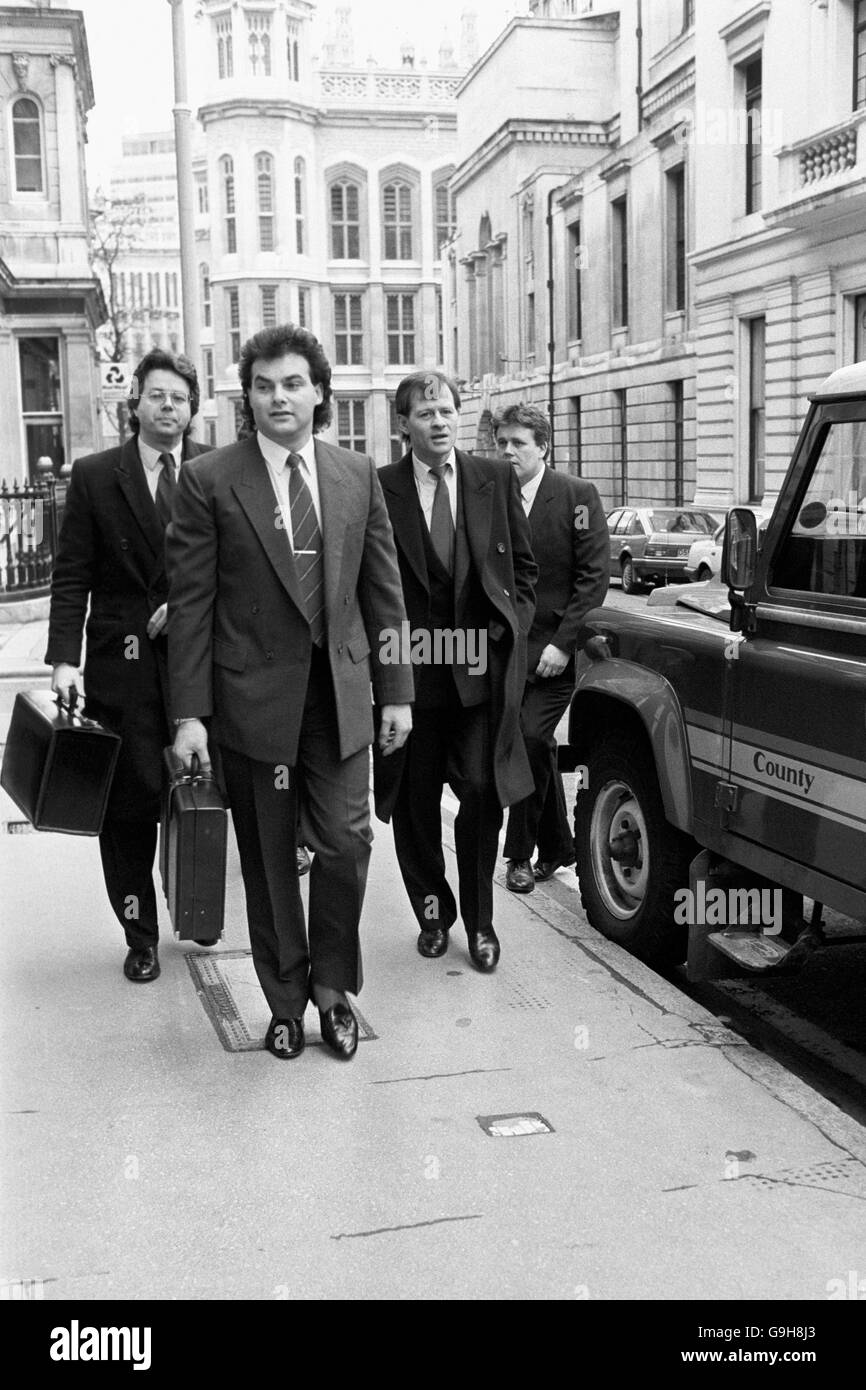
(797, 683)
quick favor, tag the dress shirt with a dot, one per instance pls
(528, 490)
(276, 457)
(152, 466)
(425, 482)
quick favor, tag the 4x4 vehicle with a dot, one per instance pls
(650, 545)
(724, 741)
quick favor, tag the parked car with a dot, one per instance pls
(650, 545)
(705, 556)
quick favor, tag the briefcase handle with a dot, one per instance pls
(178, 776)
(197, 773)
(73, 701)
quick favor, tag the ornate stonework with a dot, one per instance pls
(21, 64)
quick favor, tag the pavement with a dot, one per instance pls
(572, 1127)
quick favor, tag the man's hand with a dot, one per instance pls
(395, 728)
(64, 678)
(157, 621)
(191, 737)
(552, 661)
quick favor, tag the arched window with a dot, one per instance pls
(300, 200)
(345, 220)
(292, 49)
(266, 54)
(397, 220)
(444, 215)
(204, 276)
(225, 56)
(227, 169)
(265, 200)
(27, 142)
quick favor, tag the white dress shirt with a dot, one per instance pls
(276, 457)
(153, 467)
(425, 482)
(529, 490)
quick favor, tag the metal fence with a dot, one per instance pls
(30, 518)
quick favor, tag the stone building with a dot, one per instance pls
(50, 301)
(323, 198)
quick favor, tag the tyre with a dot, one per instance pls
(629, 584)
(704, 573)
(630, 860)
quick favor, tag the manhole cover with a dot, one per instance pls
(514, 1126)
(232, 996)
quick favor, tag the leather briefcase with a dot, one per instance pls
(58, 765)
(192, 851)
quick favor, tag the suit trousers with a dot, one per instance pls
(127, 841)
(541, 818)
(330, 798)
(448, 744)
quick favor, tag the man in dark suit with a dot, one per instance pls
(570, 544)
(111, 553)
(283, 587)
(468, 573)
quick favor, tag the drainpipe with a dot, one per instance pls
(551, 330)
(639, 87)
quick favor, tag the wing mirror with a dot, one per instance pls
(740, 550)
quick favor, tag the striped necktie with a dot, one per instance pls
(307, 548)
(165, 488)
(441, 520)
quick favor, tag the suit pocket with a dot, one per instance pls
(359, 648)
(225, 654)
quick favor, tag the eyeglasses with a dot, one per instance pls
(157, 397)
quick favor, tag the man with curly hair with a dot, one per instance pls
(283, 579)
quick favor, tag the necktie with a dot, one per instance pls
(307, 546)
(165, 488)
(441, 521)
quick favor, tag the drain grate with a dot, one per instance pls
(844, 1175)
(232, 997)
(521, 996)
(17, 827)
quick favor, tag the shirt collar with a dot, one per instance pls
(150, 457)
(422, 470)
(528, 490)
(277, 454)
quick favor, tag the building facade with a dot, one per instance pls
(323, 199)
(50, 301)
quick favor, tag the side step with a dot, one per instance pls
(717, 951)
(753, 951)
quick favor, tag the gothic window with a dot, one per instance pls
(445, 223)
(397, 220)
(27, 142)
(265, 200)
(227, 170)
(345, 221)
(300, 199)
(225, 56)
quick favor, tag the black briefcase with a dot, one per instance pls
(192, 851)
(58, 765)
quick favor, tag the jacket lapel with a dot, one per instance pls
(257, 497)
(475, 494)
(131, 481)
(336, 495)
(406, 517)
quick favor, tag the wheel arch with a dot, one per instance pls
(650, 707)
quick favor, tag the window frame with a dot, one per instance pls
(299, 188)
(53, 418)
(404, 226)
(205, 293)
(859, 23)
(28, 194)
(266, 216)
(401, 333)
(233, 321)
(348, 339)
(230, 201)
(346, 179)
(350, 439)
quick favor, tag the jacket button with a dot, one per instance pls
(506, 593)
(345, 598)
(269, 656)
(255, 608)
(340, 649)
(501, 547)
(124, 544)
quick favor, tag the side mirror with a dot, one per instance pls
(740, 550)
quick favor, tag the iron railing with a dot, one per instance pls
(30, 517)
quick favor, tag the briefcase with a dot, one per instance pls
(58, 765)
(192, 851)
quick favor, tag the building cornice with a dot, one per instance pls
(672, 90)
(589, 24)
(530, 132)
(50, 23)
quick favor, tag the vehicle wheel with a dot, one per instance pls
(704, 573)
(630, 860)
(629, 583)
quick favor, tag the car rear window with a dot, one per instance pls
(678, 522)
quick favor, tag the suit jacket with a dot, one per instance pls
(494, 577)
(570, 542)
(239, 640)
(111, 551)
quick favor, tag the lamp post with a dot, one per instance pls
(183, 157)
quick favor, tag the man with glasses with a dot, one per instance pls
(110, 554)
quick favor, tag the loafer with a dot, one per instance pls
(304, 860)
(433, 942)
(285, 1038)
(141, 965)
(518, 876)
(484, 949)
(340, 1030)
(544, 869)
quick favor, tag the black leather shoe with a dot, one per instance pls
(304, 860)
(340, 1030)
(484, 949)
(518, 876)
(141, 965)
(544, 869)
(206, 941)
(285, 1038)
(433, 943)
